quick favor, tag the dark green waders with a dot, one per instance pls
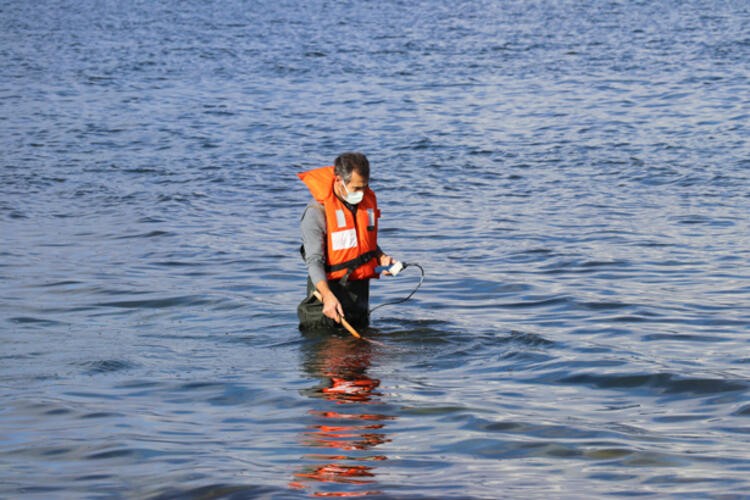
(354, 298)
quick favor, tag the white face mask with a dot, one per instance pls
(354, 197)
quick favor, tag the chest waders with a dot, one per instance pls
(354, 297)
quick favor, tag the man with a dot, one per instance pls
(340, 243)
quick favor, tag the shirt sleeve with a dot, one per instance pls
(313, 229)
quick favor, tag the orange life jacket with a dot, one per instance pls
(352, 241)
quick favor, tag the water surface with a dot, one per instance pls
(573, 176)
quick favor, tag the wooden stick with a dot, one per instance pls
(343, 321)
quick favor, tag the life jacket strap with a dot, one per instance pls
(349, 265)
(353, 263)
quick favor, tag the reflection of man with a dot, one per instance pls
(344, 425)
(340, 243)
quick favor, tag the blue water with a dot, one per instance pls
(573, 177)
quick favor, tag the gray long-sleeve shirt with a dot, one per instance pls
(313, 228)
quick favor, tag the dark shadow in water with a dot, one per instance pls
(345, 425)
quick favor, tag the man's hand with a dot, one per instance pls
(331, 305)
(386, 261)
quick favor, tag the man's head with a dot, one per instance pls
(347, 163)
(352, 172)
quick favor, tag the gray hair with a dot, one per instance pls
(346, 163)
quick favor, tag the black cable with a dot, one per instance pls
(399, 301)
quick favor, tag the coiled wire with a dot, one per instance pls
(400, 301)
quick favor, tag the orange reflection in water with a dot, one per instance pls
(342, 364)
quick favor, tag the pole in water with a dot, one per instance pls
(343, 321)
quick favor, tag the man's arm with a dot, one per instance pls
(313, 228)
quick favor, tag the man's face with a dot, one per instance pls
(357, 183)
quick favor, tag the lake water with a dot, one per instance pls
(573, 177)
